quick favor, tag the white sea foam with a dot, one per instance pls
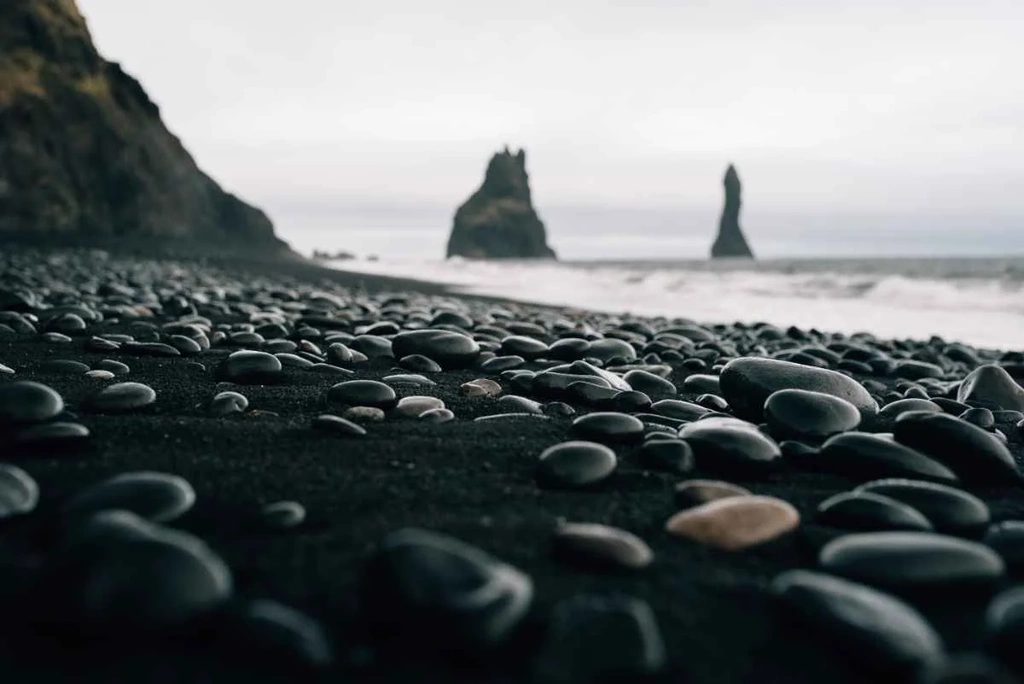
(985, 310)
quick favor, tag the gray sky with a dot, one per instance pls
(902, 106)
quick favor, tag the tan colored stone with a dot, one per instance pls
(99, 375)
(736, 522)
(481, 387)
(364, 414)
(696, 492)
(414, 407)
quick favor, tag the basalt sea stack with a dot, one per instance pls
(84, 155)
(730, 241)
(498, 221)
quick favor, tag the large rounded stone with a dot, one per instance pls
(948, 509)
(735, 523)
(575, 464)
(158, 497)
(748, 382)
(609, 427)
(872, 629)
(802, 414)
(23, 401)
(419, 582)
(250, 367)
(865, 456)
(449, 349)
(968, 450)
(992, 386)
(731, 447)
(870, 512)
(362, 393)
(912, 561)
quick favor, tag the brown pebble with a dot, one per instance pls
(735, 523)
(696, 492)
(602, 545)
(364, 414)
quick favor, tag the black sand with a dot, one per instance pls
(474, 481)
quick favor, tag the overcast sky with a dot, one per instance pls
(902, 106)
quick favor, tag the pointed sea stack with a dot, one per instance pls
(498, 221)
(85, 158)
(730, 242)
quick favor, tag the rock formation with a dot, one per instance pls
(84, 155)
(730, 241)
(498, 221)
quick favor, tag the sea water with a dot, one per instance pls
(979, 301)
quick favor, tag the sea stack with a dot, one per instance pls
(85, 157)
(730, 242)
(498, 221)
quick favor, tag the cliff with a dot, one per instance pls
(84, 155)
(498, 221)
(730, 241)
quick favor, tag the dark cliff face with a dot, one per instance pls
(84, 155)
(498, 221)
(730, 241)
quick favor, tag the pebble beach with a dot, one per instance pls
(277, 472)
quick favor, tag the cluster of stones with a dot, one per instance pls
(911, 426)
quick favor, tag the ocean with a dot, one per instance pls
(974, 299)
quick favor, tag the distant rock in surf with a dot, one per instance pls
(498, 221)
(730, 241)
(85, 157)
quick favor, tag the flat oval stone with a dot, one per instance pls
(418, 363)
(866, 456)
(981, 417)
(412, 379)
(19, 492)
(683, 410)
(748, 382)
(668, 455)
(521, 345)
(632, 401)
(992, 386)
(226, 403)
(870, 512)
(24, 402)
(609, 426)
(6, 370)
(1004, 627)
(100, 375)
(268, 630)
(575, 464)
(500, 364)
(735, 523)
(696, 492)
(364, 414)
(897, 408)
(592, 395)
(731, 446)
(950, 510)
(63, 367)
(362, 393)
(447, 348)
(481, 387)
(611, 348)
(911, 561)
(149, 583)
(338, 425)
(966, 449)
(650, 384)
(115, 367)
(158, 497)
(802, 414)
(873, 629)
(414, 407)
(283, 515)
(600, 545)
(513, 402)
(52, 434)
(1007, 539)
(419, 582)
(576, 646)
(250, 367)
(122, 397)
(293, 360)
(437, 415)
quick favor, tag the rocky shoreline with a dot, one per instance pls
(221, 468)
